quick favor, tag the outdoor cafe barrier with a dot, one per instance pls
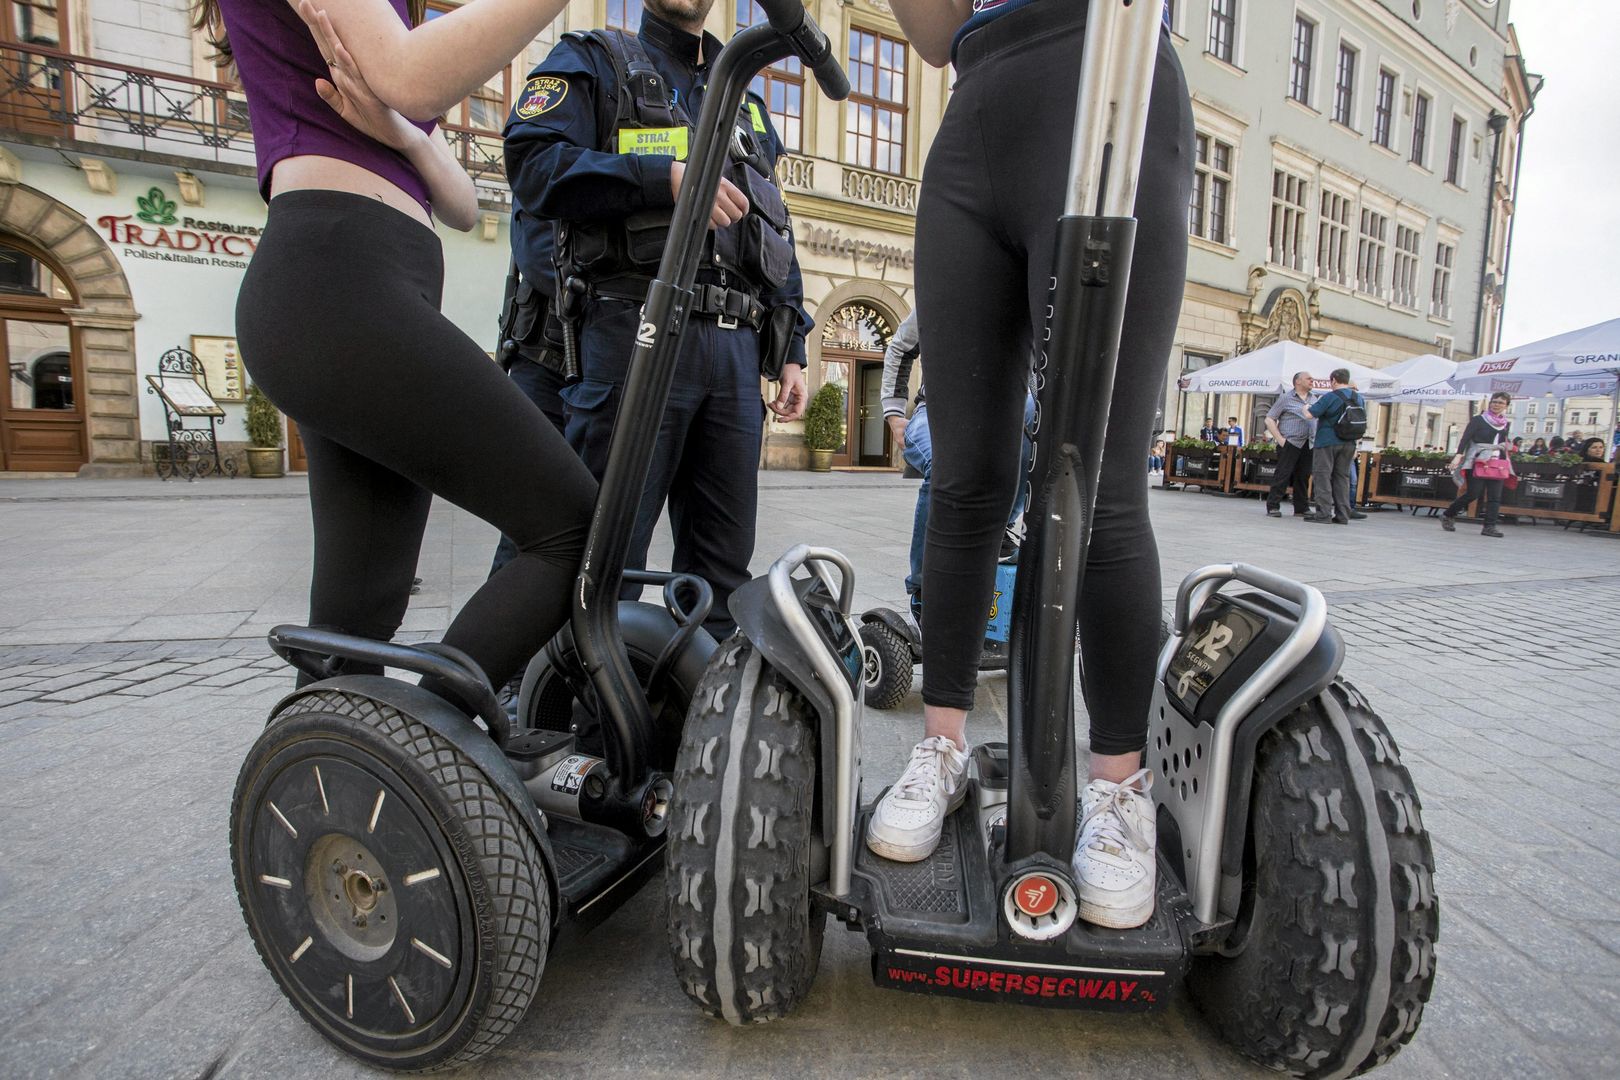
(1194, 463)
(1564, 490)
(1569, 491)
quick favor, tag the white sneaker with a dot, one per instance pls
(906, 825)
(1114, 862)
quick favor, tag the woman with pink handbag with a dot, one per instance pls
(1482, 458)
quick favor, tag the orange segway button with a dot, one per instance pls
(1036, 896)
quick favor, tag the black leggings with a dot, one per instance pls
(991, 194)
(1488, 493)
(339, 322)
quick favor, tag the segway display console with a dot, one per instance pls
(405, 870)
(1296, 895)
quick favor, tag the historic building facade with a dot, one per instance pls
(1356, 165)
(128, 212)
(1357, 161)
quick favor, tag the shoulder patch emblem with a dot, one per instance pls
(540, 95)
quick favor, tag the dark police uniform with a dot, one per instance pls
(566, 165)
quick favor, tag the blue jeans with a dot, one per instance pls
(919, 454)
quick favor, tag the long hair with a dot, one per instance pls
(206, 17)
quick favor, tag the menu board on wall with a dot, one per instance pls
(222, 362)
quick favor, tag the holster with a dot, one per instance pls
(524, 311)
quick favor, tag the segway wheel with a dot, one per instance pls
(1332, 958)
(743, 935)
(886, 665)
(396, 897)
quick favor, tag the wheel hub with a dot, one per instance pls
(871, 665)
(350, 898)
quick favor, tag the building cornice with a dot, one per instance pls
(826, 210)
(1398, 34)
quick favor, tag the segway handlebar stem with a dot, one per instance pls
(1077, 354)
(624, 706)
(846, 702)
(1110, 125)
(1195, 591)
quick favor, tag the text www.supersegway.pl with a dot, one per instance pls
(1015, 982)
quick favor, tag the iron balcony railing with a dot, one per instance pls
(48, 95)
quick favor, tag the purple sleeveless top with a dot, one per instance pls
(278, 61)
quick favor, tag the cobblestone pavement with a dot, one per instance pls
(133, 676)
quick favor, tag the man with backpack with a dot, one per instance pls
(1341, 420)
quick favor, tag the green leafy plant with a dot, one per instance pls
(156, 207)
(824, 419)
(1548, 459)
(1395, 453)
(1259, 446)
(1185, 443)
(263, 420)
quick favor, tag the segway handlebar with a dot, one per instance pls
(792, 21)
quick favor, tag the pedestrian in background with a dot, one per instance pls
(1341, 419)
(1234, 432)
(1209, 432)
(1538, 447)
(1481, 465)
(1290, 425)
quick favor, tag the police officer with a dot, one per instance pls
(596, 144)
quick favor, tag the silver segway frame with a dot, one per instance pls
(846, 698)
(1207, 777)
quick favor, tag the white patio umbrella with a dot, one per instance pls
(1418, 381)
(1583, 355)
(1271, 371)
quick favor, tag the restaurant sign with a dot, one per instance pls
(155, 233)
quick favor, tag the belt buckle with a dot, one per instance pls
(725, 322)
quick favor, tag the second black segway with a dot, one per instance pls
(403, 871)
(1295, 882)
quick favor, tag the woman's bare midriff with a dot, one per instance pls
(311, 171)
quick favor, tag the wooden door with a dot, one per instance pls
(297, 461)
(34, 90)
(42, 427)
(868, 430)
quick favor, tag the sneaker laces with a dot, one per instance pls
(1114, 825)
(925, 769)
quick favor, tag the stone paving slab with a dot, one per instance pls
(122, 951)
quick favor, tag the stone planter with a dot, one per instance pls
(821, 460)
(265, 462)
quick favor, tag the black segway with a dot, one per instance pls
(403, 871)
(891, 645)
(1296, 891)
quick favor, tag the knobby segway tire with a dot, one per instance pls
(742, 932)
(1333, 956)
(396, 897)
(886, 665)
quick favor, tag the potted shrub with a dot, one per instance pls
(1195, 457)
(1416, 474)
(1549, 481)
(1259, 461)
(824, 425)
(264, 435)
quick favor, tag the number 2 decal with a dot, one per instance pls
(1216, 638)
(645, 334)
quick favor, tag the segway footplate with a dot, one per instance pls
(935, 928)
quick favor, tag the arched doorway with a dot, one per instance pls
(853, 340)
(42, 408)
